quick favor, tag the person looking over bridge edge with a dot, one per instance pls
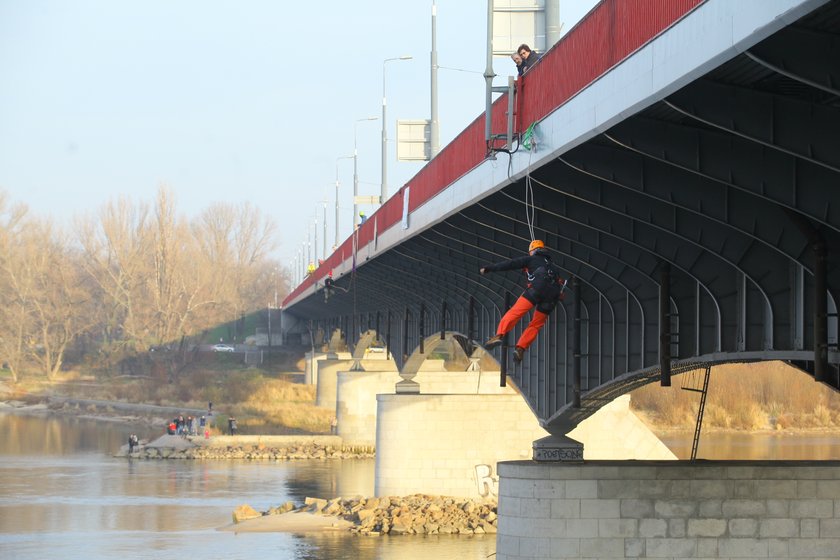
(518, 61)
(529, 58)
(544, 290)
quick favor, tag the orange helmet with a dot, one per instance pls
(535, 244)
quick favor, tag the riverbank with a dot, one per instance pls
(407, 515)
(148, 415)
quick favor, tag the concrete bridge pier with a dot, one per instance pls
(355, 397)
(450, 444)
(312, 363)
(328, 371)
(655, 509)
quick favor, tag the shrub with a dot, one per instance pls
(716, 416)
(822, 416)
(745, 397)
(749, 417)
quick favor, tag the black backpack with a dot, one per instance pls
(545, 277)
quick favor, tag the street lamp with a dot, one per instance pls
(315, 238)
(383, 195)
(335, 246)
(324, 256)
(356, 170)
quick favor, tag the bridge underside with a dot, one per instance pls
(704, 228)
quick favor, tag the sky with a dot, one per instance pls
(224, 101)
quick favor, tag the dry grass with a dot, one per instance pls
(287, 404)
(770, 395)
(262, 401)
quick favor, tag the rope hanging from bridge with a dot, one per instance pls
(529, 142)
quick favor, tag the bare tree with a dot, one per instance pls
(181, 291)
(141, 275)
(236, 243)
(47, 297)
(116, 252)
(13, 311)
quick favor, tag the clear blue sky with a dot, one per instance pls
(226, 101)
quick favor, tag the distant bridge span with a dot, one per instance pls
(686, 175)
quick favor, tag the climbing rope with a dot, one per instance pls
(530, 143)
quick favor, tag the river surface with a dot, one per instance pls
(62, 495)
(776, 446)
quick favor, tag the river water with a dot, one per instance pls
(62, 495)
(774, 446)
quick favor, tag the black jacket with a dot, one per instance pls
(527, 63)
(539, 292)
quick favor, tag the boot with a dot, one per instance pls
(493, 342)
(518, 352)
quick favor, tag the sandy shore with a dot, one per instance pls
(291, 522)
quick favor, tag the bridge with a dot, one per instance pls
(681, 161)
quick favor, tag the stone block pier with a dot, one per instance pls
(658, 509)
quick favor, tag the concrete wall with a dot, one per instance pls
(449, 444)
(615, 433)
(356, 396)
(726, 509)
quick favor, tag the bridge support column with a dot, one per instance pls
(558, 446)
(658, 509)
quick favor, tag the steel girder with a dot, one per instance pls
(731, 184)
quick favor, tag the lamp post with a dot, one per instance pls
(434, 124)
(324, 255)
(335, 246)
(315, 239)
(356, 170)
(383, 194)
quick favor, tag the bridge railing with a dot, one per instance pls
(610, 33)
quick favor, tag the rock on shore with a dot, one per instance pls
(291, 448)
(415, 514)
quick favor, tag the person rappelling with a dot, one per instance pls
(545, 288)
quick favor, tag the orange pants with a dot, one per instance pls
(514, 314)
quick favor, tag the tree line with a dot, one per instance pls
(128, 277)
